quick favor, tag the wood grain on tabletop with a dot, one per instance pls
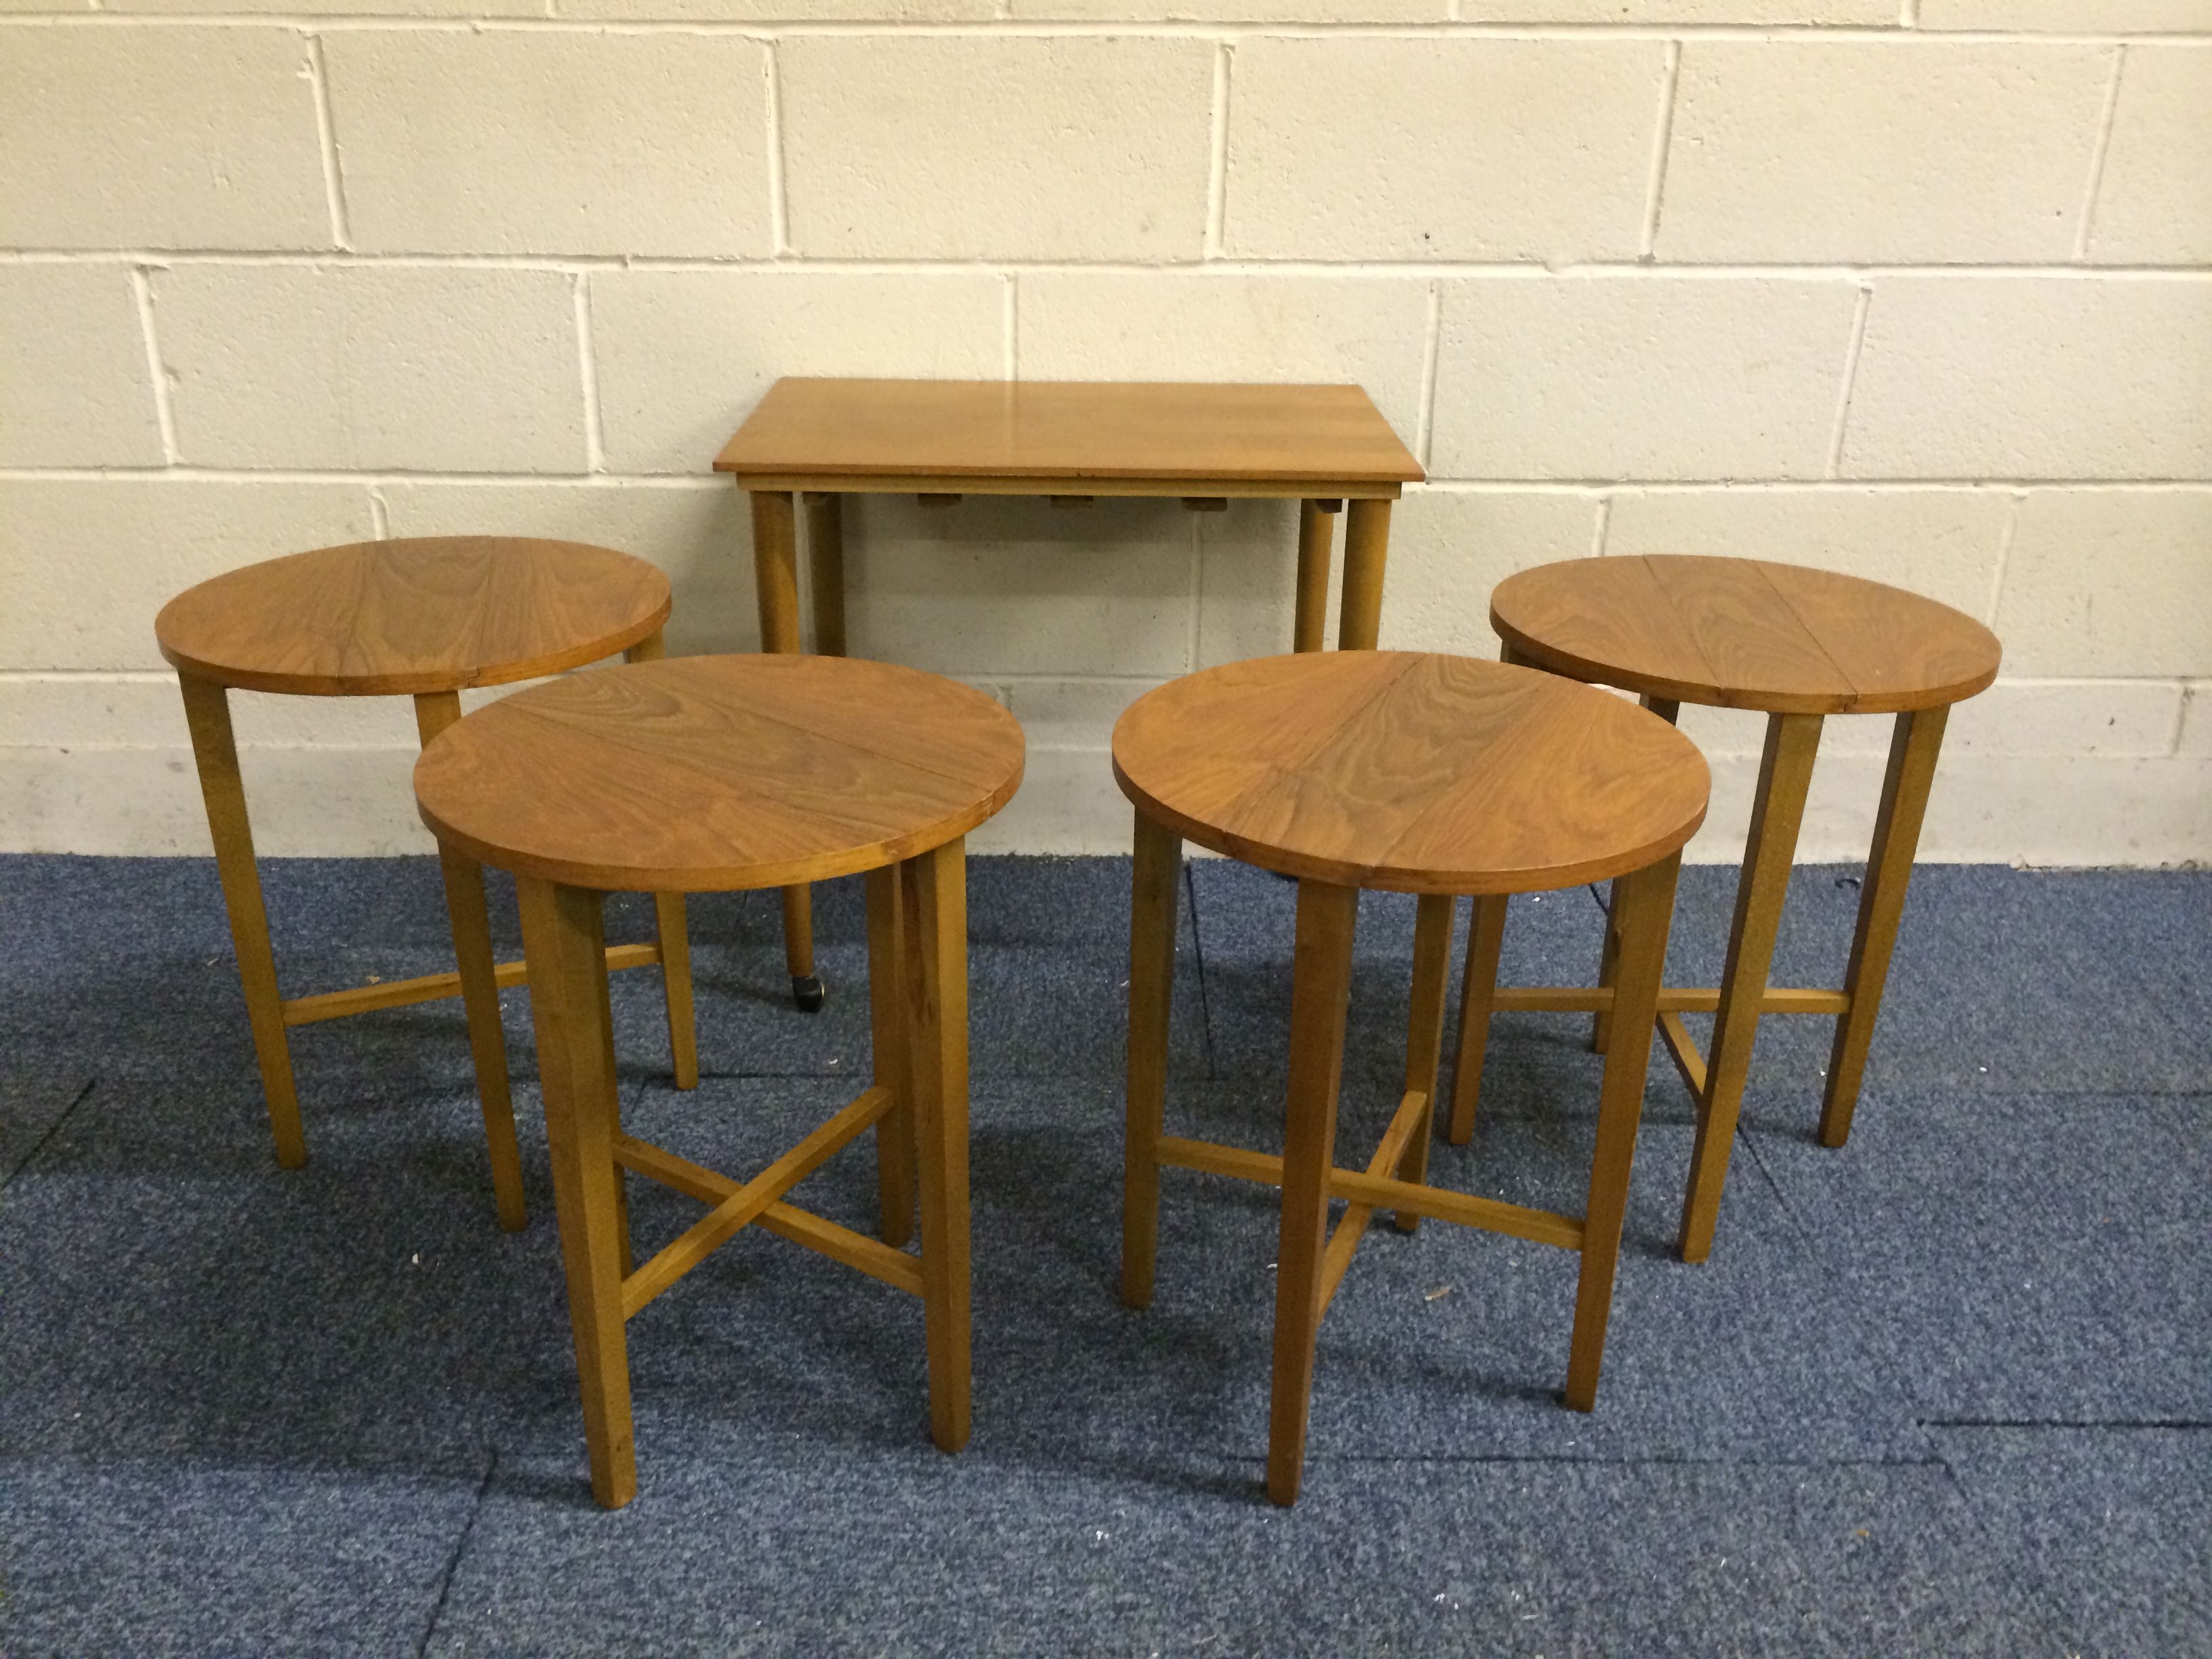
(1067, 429)
(701, 774)
(1415, 771)
(393, 618)
(1744, 634)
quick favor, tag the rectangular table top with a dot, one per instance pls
(1114, 438)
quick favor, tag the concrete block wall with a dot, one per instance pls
(1915, 289)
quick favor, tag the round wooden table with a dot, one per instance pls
(1430, 775)
(421, 618)
(706, 773)
(1797, 644)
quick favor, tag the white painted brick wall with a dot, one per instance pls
(1920, 289)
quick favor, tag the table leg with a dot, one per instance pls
(776, 590)
(1367, 543)
(472, 927)
(1321, 987)
(825, 554)
(1646, 900)
(1912, 754)
(1786, 773)
(937, 1022)
(1667, 709)
(1425, 1032)
(214, 751)
(1153, 905)
(675, 939)
(563, 943)
(887, 978)
(1477, 992)
(1316, 536)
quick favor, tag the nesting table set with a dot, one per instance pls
(1417, 773)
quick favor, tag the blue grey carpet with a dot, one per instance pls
(1942, 1392)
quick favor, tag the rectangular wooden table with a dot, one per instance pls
(1319, 446)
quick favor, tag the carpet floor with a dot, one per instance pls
(1946, 1391)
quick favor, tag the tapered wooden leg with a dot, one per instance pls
(825, 554)
(776, 590)
(1646, 902)
(1667, 708)
(1478, 992)
(937, 1022)
(675, 941)
(1367, 543)
(887, 980)
(1153, 903)
(1912, 754)
(214, 751)
(472, 955)
(1425, 1032)
(1320, 989)
(1316, 539)
(564, 945)
(1785, 772)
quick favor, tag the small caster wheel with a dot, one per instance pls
(806, 991)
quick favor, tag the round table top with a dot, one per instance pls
(1744, 634)
(704, 773)
(1417, 773)
(399, 617)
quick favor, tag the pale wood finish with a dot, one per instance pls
(1744, 634)
(702, 773)
(1366, 541)
(1799, 643)
(214, 751)
(1785, 775)
(1408, 1123)
(776, 590)
(403, 617)
(435, 711)
(1154, 903)
(1477, 998)
(434, 988)
(1068, 438)
(1646, 898)
(1316, 539)
(1358, 1186)
(887, 980)
(1320, 982)
(1912, 753)
(1412, 772)
(657, 726)
(1425, 1033)
(1601, 1025)
(675, 939)
(565, 946)
(936, 1017)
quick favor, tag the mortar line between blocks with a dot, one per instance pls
(1217, 175)
(1600, 531)
(2005, 538)
(142, 289)
(1851, 353)
(380, 515)
(1425, 435)
(2097, 153)
(587, 368)
(326, 133)
(1165, 28)
(1662, 143)
(779, 203)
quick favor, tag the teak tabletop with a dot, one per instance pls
(706, 773)
(1744, 634)
(1416, 773)
(1326, 448)
(1020, 437)
(406, 617)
